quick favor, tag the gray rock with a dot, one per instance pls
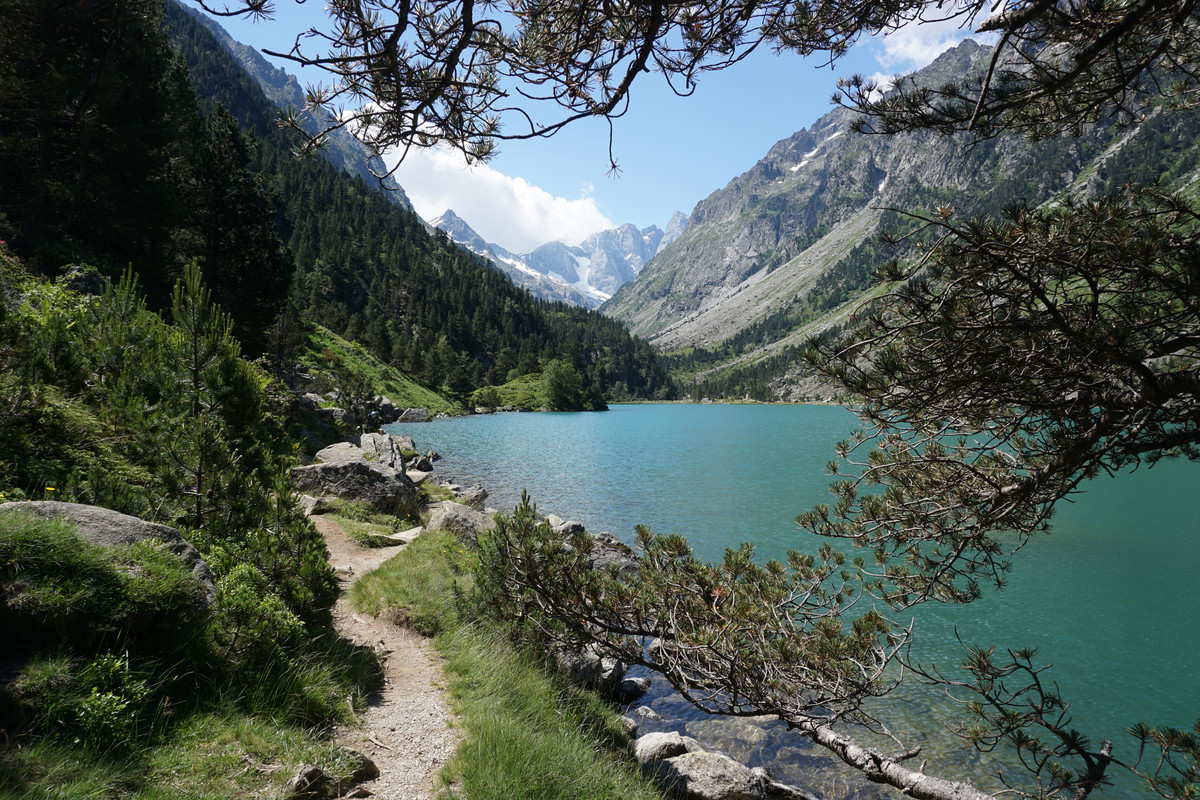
(415, 415)
(386, 408)
(418, 477)
(703, 775)
(608, 549)
(311, 506)
(587, 666)
(420, 464)
(310, 400)
(661, 745)
(107, 528)
(339, 451)
(405, 443)
(646, 712)
(382, 448)
(473, 496)
(84, 280)
(373, 448)
(630, 725)
(387, 490)
(631, 689)
(462, 520)
(564, 527)
(343, 417)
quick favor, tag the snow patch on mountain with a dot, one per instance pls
(585, 274)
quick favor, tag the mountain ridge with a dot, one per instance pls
(790, 246)
(584, 274)
(283, 89)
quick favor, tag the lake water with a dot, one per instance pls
(1111, 597)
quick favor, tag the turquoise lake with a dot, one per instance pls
(1111, 597)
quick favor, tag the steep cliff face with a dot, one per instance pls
(772, 231)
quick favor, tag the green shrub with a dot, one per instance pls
(111, 717)
(253, 626)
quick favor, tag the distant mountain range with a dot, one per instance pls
(791, 246)
(584, 274)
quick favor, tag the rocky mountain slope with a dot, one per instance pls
(343, 150)
(793, 242)
(584, 274)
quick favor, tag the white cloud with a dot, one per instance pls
(916, 44)
(507, 211)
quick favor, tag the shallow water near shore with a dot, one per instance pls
(1110, 597)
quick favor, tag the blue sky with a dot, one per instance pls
(673, 151)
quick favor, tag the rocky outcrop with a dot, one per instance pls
(689, 771)
(369, 468)
(462, 520)
(415, 415)
(473, 496)
(107, 528)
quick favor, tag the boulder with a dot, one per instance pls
(661, 745)
(343, 417)
(386, 408)
(382, 448)
(107, 528)
(310, 783)
(339, 451)
(405, 443)
(564, 527)
(631, 689)
(310, 400)
(84, 280)
(415, 415)
(704, 775)
(473, 496)
(587, 666)
(462, 520)
(387, 490)
(373, 448)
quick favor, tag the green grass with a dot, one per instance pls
(135, 709)
(527, 732)
(209, 756)
(327, 351)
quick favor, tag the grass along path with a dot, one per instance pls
(527, 733)
(407, 729)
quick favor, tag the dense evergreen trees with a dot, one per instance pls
(370, 269)
(106, 158)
